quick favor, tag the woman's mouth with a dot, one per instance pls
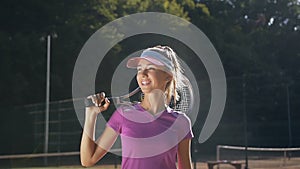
(145, 82)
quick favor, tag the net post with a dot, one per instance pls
(218, 154)
(284, 157)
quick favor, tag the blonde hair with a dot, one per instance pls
(177, 73)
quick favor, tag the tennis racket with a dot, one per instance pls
(184, 104)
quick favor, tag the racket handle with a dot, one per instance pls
(88, 102)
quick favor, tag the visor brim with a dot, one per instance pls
(134, 62)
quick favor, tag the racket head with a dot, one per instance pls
(186, 97)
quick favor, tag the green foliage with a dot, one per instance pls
(253, 33)
(204, 8)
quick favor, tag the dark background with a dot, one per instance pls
(257, 40)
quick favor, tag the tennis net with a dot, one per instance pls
(259, 157)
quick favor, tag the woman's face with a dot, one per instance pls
(150, 76)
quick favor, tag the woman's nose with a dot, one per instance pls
(144, 72)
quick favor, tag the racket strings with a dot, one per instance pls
(185, 99)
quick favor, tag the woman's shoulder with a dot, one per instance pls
(178, 114)
(182, 120)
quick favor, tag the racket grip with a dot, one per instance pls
(88, 102)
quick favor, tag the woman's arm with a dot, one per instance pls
(184, 154)
(92, 151)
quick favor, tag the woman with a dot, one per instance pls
(153, 135)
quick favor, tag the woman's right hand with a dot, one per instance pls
(91, 151)
(97, 100)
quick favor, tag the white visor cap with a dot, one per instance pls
(152, 56)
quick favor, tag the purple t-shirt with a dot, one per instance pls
(149, 141)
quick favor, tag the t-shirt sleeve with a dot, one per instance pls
(186, 128)
(115, 121)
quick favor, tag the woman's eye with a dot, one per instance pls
(147, 68)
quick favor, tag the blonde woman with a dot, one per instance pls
(153, 135)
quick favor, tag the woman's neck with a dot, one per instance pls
(154, 102)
